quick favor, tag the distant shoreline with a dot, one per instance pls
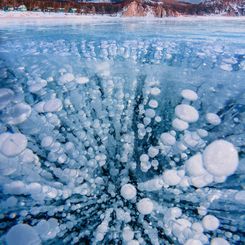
(32, 14)
(52, 15)
(125, 8)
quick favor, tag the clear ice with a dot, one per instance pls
(120, 133)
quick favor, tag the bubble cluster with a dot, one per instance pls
(72, 161)
(91, 154)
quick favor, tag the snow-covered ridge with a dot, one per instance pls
(31, 14)
(166, 8)
(42, 17)
(225, 7)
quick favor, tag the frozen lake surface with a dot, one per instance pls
(122, 131)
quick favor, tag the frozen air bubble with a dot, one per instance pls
(145, 166)
(147, 121)
(18, 113)
(34, 188)
(171, 177)
(12, 144)
(210, 223)
(52, 193)
(50, 79)
(6, 96)
(127, 234)
(66, 78)
(240, 196)
(52, 105)
(213, 119)
(155, 91)
(173, 132)
(167, 139)
(103, 68)
(82, 80)
(128, 191)
(181, 146)
(193, 242)
(133, 242)
(144, 158)
(220, 158)
(226, 67)
(219, 241)
(39, 107)
(191, 139)
(11, 201)
(145, 206)
(194, 165)
(150, 113)
(202, 133)
(42, 229)
(175, 212)
(202, 210)
(186, 113)
(197, 227)
(22, 234)
(153, 104)
(154, 164)
(180, 225)
(47, 141)
(189, 95)
(179, 124)
(158, 119)
(201, 181)
(37, 86)
(153, 151)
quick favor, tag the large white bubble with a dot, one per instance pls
(22, 234)
(220, 158)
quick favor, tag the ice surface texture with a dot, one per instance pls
(132, 141)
